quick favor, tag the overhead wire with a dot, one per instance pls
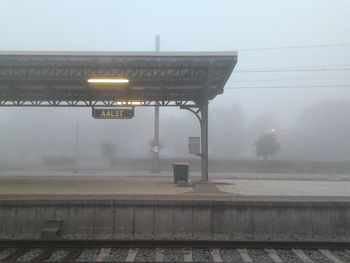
(288, 87)
(294, 47)
(239, 81)
(262, 70)
(290, 69)
(295, 69)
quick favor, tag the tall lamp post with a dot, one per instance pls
(155, 145)
(76, 153)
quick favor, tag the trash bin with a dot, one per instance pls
(181, 172)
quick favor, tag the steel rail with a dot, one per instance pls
(170, 244)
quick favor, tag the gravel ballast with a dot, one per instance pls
(201, 255)
(288, 255)
(58, 255)
(342, 255)
(146, 254)
(316, 256)
(6, 252)
(230, 255)
(117, 254)
(259, 255)
(31, 254)
(173, 255)
(88, 255)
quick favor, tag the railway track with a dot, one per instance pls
(173, 251)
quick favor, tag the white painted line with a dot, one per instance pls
(302, 256)
(131, 255)
(330, 256)
(245, 256)
(102, 254)
(188, 255)
(215, 254)
(272, 253)
(159, 254)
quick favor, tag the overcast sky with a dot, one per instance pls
(202, 25)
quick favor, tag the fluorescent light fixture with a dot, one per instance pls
(108, 81)
(129, 103)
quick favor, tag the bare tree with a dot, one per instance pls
(267, 145)
(108, 151)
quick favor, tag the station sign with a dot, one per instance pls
(113, 113)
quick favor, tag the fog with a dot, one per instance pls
(292, 76)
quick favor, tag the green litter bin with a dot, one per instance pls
(181, 172)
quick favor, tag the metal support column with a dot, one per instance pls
(204, 135)
(204, 104)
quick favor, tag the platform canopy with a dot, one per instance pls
(61, 78)
(111, 79)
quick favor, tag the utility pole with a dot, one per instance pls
(76, 163)
(156, 125)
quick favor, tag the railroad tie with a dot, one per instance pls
(330, 256)
(245, 256)
(18, 253)
(131, 255)
(159, 254)
(72, 255)
(215, 254)
(102, 254)
(43, 255)
(187, 252)
(302, 256)
(273, 255)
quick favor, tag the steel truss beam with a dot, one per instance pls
(139, 76)
(50, 93)
(195, 110)
(94, 103)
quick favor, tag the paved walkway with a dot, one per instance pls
(284, 187)
(193, 174)
(162, 184)
(89, 185)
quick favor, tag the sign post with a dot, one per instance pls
(194, 145)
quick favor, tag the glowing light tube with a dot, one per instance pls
(108, 81)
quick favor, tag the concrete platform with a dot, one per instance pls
(151, 206)
(53, 183)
